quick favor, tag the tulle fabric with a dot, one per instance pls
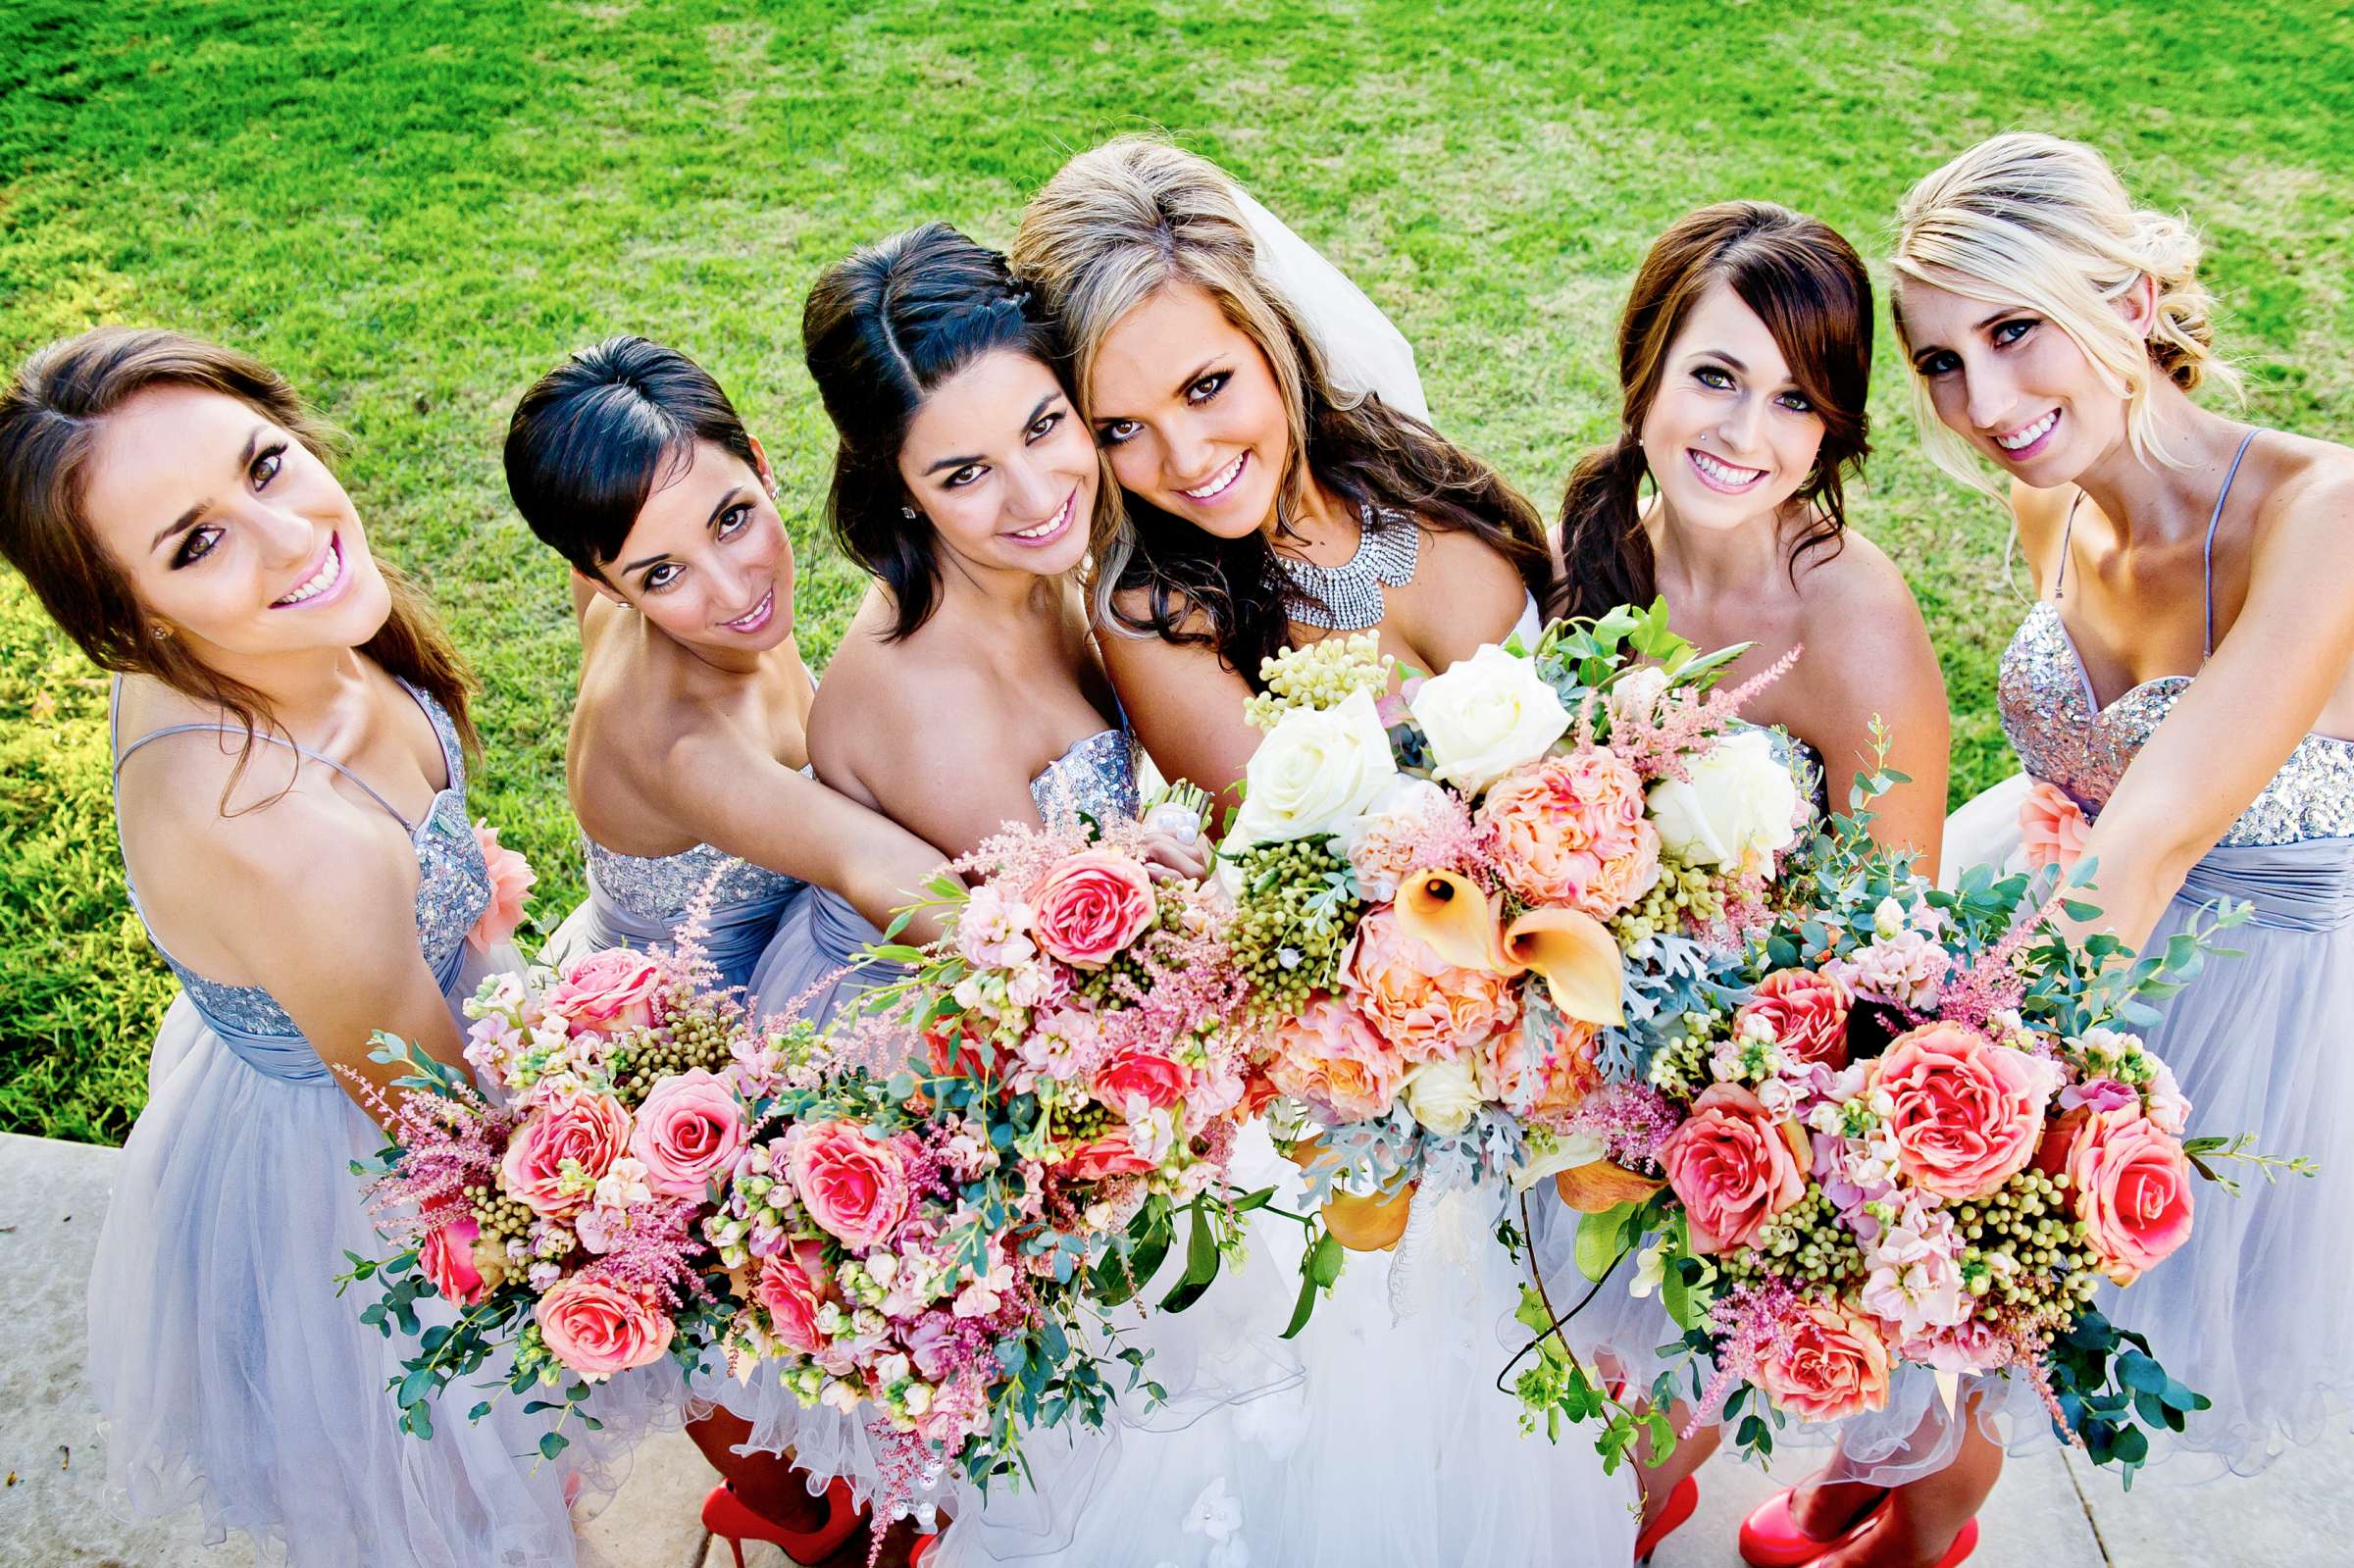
(810, 965)
(1369, 1441)
(233, 1379)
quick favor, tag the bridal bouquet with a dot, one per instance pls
(560, 1216)
(1905, 1127)
(1445, 894)
(975, 1172)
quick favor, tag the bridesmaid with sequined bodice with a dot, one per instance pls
(288, 727)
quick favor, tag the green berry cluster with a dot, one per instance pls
(684, 1042)
(499, 1215)
(1681, 1068)
(1290, 928)
(1321, 675)
(1805, 1243)
(1683, 896)
(2024, 1247)
(1104, 986)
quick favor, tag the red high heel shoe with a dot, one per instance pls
(1771, 1536)
(1679, 1507)
(725, 1516)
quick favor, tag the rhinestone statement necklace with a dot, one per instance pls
(1348, 598)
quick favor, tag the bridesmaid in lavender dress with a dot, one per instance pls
(290, 725)
(2185, 681)
(687, 758)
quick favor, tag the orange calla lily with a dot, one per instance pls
(1600, 1186)
(1574, 952)
(1372, 1223)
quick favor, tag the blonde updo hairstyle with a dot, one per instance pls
(1116, 225)
(2030, 220)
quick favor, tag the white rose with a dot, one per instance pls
(1567, 1152)
(1319, 768)
(1637, 692)
(1444, 1096)
(1740, 802)
(1487, 715)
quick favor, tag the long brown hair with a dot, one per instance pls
(1137, 214)
(1809, 288)
(49, 420)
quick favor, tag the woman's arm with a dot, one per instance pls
(1187, 708)
(2227, 735)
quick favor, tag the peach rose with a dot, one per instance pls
(447, 1257)
(610, 991)
(599, 1329)
(1834, 1364)
(1542, 1089)
(591, 1130)
(853, 1184)
(1090, 907)
(690, 1128)
(2130, 1184)
(2052, 826)
(1161, 1080)
(1734, 1166)
(511, 877)
(1808, 1013)
(793, 1284)
(1112, 1155)
(1967, 1113)
(1570, 831)
(1332, 1058)
(1420, 1003)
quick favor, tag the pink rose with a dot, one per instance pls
(2130, 1184)
(931, 1342)
(1090, 907)
(1808, 1013)
(591, 1130)
(1834, 1364)
(1734, 1166)
(2052, 826)
(1332, 1058)
(1425, 1006)
(1571, 831)
(511, 877)
(1969, 1112)
(1112, 1155)
(793, 1284)
(688, 1129)
(447, 1258)
(609, 991)
(1161, 1080)
(853, 1184)
(599, 1329)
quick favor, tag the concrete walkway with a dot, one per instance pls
(2052, 1512)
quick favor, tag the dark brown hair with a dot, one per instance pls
(49, 420)
(1809, 288)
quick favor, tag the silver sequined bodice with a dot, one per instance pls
(453, 888)
(657, 887)
(1095, 777)
(2064, 737)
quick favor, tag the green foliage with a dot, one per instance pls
(414, 209)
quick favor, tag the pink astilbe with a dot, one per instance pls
(446, 1146)
(1993, 983)
(1755, 1322)
(1684, 721)
(1633, 1121)
(655, 1256)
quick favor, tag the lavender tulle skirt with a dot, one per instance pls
(231, 1377)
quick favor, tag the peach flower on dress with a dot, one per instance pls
(2052, 826)
(511, 877)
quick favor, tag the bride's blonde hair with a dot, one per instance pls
(2026, 219)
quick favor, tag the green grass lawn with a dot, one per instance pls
(415, 209)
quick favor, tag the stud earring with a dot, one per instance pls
(907, 512)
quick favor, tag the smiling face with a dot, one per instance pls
(1728, 435)
(997, 462)
(707, 560)
(2010, 382)
(1192, 412)
(234, 533)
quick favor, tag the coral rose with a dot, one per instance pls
(1968, 1112)
(609, 991)
(1425, 1006)
(589, 1130)
(1112, 1155)
(688, 1129)
(1808, 1013)
(511, 877)
(1161, 1080)
(2052, 828)
(1089, 908)
(853, 1184)
(794, 1284)
(2130, 1183)
(447, 1257)
(599, 1329)
(1834, 1363)
(1337, 1062)
(1734, 1166)
(1570, 831)
(1543, 1088)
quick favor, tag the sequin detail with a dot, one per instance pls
(1095, 777)
(2048, 713)
(1348, 598)
(656, 889)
